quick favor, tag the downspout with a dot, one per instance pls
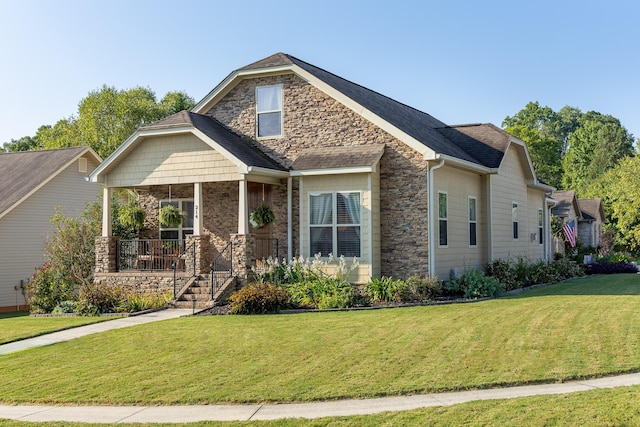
(289, 218)
(432, 240)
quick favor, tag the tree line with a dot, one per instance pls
(105, 119)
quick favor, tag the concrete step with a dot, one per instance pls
(189, 304)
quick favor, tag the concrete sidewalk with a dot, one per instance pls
(182, 414)
(81, 331)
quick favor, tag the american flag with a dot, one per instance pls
(570, 232)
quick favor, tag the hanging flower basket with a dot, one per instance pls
(261, 216)
(171, 216)
(132, 216)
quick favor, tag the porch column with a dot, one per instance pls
(106, 212)
(197, 211)
(243, 208)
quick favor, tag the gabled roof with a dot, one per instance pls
(566, 199)
(23, 173)
(480, 145)
(591, 209)
(239, 150)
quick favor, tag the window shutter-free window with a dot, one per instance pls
(473, 232)
(269, 110)
(442, 219)
(334, 224)
(514, 219)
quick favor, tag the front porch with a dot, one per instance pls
(192, 269)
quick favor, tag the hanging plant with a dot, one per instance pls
(261, 216)
(171, 216)
(131, 216)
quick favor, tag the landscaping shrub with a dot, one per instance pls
(47, 289)
(386, 289)
(95, 299)
(504, 272)
(323, 294)
(65, 307)
(259, 298)
(475, 284)
(423, 288)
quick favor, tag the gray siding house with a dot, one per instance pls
(32, 185)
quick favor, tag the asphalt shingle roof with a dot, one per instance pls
(338, 157)
(241, 148)
(23, 172)
(483, 144)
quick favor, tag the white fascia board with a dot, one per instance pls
(370, 116)
(539, 185)
(269, 172)
(231, 81)
(464, 164)
(333, 171)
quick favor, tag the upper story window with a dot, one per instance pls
(269, 111)
(540, 227)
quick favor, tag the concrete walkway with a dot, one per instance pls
(81, 331)
(182, 414)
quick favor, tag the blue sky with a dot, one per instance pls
(460, 61)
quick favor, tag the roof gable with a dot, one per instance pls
(23, 173)
(566, 201)
(591, 209)
(477, 146)
(239, 150)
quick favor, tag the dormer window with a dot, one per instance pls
(269, 111)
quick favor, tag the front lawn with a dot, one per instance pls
(584, 328)
(19, 325)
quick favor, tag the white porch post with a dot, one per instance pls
(197, 209)
(106, 212)
(243, 208)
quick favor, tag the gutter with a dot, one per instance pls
(432, 240)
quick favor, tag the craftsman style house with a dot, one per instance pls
(345, 170)
(32, 185)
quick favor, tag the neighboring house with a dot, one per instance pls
(590, 226)
(345, 169)
(32, 185)
(567, 209)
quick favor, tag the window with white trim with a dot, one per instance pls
(514, 219)
(178, 232)
(269, 111)
(443, 219)
(473, 222)
(334, 223)
(540, 227)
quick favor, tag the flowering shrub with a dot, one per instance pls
(422, 289)
(612, 268)
(519, 273)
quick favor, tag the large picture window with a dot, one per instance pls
(178, 232)
(473, 222)
(334, 223)
(443, 219)
(269, 111)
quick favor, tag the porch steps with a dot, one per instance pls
(196, 293)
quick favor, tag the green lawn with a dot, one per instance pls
(584, 328)
(19, 325)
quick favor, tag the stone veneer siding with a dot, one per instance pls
(310, 119)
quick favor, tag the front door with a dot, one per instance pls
(259, 194)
